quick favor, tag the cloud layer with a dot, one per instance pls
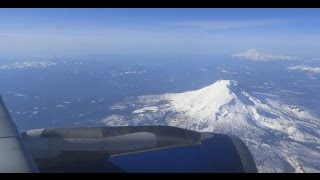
(304, 68)
(231, 24)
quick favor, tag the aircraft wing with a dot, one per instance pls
(14, 156)
(64, 149)
(52, 148)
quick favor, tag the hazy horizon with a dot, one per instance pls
(157, 32)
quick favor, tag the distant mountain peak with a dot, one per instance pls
(255, 55)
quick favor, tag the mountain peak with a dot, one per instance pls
(227, 83)
(222, 86)
(224, 107)
(255, 55)
(210, 99)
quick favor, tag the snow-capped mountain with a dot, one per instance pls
(282, 138)
(28, 64)
(255, 55)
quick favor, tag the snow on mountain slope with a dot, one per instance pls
(28, 64)
(282, 138)
(255, 55)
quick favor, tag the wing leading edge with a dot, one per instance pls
(14, 156)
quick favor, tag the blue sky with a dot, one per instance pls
(158, 32)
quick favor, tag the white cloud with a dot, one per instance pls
(28, 64)
(231, 24)
(305, 68)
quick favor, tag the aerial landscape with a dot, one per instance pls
(246, 72)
